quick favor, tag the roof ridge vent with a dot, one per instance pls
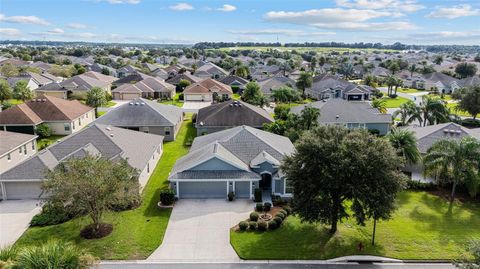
(111, 135)
(215, 147)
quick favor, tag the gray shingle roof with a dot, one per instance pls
(342, 111)
(11, 140)
(205, 174)
(109, 142)
(142, 112)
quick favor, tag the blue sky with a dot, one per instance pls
(164, 21)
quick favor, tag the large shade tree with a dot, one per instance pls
(293, 125)
(252, 94)
(21, 91)
(470, 101)
(304, 82)
(96, 97)
(92, 185)
(5, 91)
(338, 173)
(455, 162)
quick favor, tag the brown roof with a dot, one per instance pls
(43, 108)
(100, 76)
(210, 84)
(19, 114)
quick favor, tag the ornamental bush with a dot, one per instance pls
(280, 215)
(278, 220)
(262, 225)
(267, 207)
(259, 207)
(284, 212)
(272, 225)
(243, 225)
(288, 209)
(252, 225)
(167, 197)
(254, 216)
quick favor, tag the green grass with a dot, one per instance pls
(137, 233)
(175, 101)
(110, 104)
(45, 142)
(421, 228)
(409, 90)
(453, 110)
(394, 102)
(101, 113)
(14, 101)
(236, 96)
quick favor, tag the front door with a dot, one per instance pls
(266, 182)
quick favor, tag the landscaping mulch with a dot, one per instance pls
(89, 232)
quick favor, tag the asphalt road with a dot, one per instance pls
(269, 265)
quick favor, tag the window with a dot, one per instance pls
(25, 149)
(146, 130)
(288, 186)
(33, 145)
(66, 126)
(148, 167)
(79, 122)
(20, 150)
(9, 157)
(167, 130)
(73, 125)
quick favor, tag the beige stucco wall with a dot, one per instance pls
(16, 156)
(61, 95)
(148, 170)
(58, 127)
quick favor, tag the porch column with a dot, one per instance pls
(251, 196)
(178, 189)
(3, 190)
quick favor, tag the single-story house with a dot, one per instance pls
(100, 68)
(76, 86)
(64, 117)
(127, 71)
(235, 82)
(269, 84)
(146, 116)
(148, 87)
(230, 114)
(237, 160)
(443, 83)
(15, 148)
(428, 135)
(206, 90)
(142, 152)
(183, 76)
(210, 70)
(352, 115)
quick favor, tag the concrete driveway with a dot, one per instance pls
(199, 230)
(194, 106)
(15, 216)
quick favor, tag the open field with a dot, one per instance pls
(423, 227)
(138, 232)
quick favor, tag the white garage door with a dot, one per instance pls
(130, 96)
(23, 190)
(201, 190)
(193, 97)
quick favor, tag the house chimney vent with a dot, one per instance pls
(111, 135)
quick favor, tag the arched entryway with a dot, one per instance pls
(266, 181)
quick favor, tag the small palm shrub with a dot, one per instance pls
(262, 225)
(167, 197)
(254, 216)
(243, 225)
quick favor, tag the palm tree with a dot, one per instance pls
(405, 143)
(455, 162)
(412, 69)
(346, 69)
(408, 112)
(304, 81)
(434, 110)
(380, 104)
(391, 81)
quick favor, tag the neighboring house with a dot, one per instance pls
(443, 83)
(237, 160)
(64, 117)
(184, 76)
(100, 76)
(210, 70)
(380, 72)
(267, 85)
(428, 135)
(470, 81)
(100, 68)
(77, 86)
(148, 87)
(34, 80)
(352, 115)
(262, 72)
(127, 71)
(146, 116)
(151, 67)
(15, 148)
(328, 86)
(206, 90)
(44, 67)
(235, 82)
(142, 152)
(229, 114)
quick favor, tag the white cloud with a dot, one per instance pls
(454, 12)
(116, 2)
(24, 20)
(181, 7)
(227, 8)
(10, 32)
(56, 31)
(400, 5)
(286, 32)
(327, 15)
(76, 25)
(368, 26)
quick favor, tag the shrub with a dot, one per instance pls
(278, 220)
(272, 225)
(8, 253)
(258, 195)
(43, 130)
(284, 212)
(280, 215)
(194, 117)
(288, 209)
(167, 197)
(252, 225)
(254, 216)
(231, 196)
(243, 225)
(267, 207)
(259, 207)
(393, 96)
(180, 96)
(278, 201)
(53, 214)
(262, 225)
(417, 185)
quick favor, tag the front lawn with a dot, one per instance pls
(453, 110)
(175, 101)
(14, 101)
(394, 102)
(110, 104)
(137, 233)
(46, 141)
(421, 228)
(409, 90)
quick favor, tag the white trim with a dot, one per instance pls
(251, 183)
(228, 187)
(4, 191)
(178, 188)
(214, 180)
(266, 172)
